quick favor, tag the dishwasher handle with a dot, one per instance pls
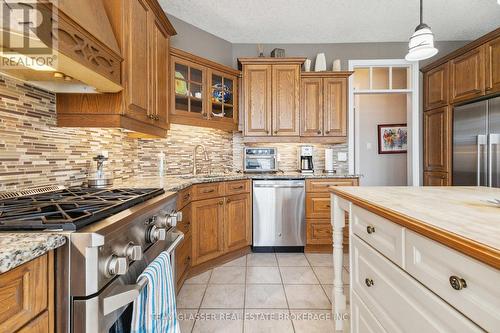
(278, 186)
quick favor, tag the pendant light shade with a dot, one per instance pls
(421, 45)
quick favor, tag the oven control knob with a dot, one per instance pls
(134, 252)
(156, 234)
(116, 265)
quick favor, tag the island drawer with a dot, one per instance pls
(397, 300)
(237, 187)
(208, 191)
(468, 285)
(384, 235)
(321, 185)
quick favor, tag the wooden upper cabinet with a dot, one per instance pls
(437, 140)
(160, 74)
(335, 107)
(137, 59)
(467, 75)
(311, 107)
(436, 87)
(257, 99)
(285, 97)
(237, 222)
(207, 229)
(492, 58)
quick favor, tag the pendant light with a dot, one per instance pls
(421, 45)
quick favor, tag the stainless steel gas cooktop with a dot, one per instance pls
(67, 209)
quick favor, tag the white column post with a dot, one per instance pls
(338, 224)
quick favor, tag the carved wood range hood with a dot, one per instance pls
(87, 58)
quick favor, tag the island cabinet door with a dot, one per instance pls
(437, 139)
(257, 99)
(207, 229)
(285, 97)
(493, 66)
(335, 107)
(137, 55)
(467, 75)
(311, 107)
(237, 222)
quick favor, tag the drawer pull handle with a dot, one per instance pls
(368, 282)
(370, 229)
(228, 200)
(327, 206)
(209, 191)
(186, 196)
(457, 283)
(238, 187)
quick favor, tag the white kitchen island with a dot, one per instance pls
(423, 259)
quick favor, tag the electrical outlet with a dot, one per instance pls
(342, 156)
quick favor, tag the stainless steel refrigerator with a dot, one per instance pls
(476, 144)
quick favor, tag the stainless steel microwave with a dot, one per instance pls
(260, 159)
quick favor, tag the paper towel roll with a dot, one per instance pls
(329, 160)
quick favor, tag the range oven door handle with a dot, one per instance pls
(123, 295)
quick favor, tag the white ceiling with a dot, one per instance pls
(335, 21)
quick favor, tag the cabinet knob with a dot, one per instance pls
(457, 283)
(319, 132)
(157, 117)
(150, 116)
(267, 132)
(327, 132)
(275, 132)
(186, 196)
(228, 200)
(368, 282)
(370, 229)
(221, 202)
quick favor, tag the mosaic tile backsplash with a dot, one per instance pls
(34, 152)
(288, 154)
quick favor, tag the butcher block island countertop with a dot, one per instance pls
(458, 217)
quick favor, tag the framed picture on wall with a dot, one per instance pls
(392, 139)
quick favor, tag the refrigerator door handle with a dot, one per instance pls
(481, 141)
(493, 139)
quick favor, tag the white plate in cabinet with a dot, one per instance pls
(362, 320)
(384, 235)
(470, 286)
(398, 301)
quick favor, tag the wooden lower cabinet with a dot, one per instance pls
(318, 214)
(27, 297)
(437, 139)
(237, 222)
(223, 224)
(208, 229)
(436, 179)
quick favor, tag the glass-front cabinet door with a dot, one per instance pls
(189, 83)
(222, 97)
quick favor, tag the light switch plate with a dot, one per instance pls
(342, 156)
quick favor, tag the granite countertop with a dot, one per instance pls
(16, 248)
(459, 217)
(177, 183)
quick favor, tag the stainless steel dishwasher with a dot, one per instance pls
(279, 214)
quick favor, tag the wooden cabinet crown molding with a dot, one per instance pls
(326, 74)
(466, 48)
(175, 52)
(270, 61)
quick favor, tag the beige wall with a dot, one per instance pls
(372, 110)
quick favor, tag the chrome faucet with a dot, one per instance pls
(205, 157)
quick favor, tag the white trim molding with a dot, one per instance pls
(413, 114)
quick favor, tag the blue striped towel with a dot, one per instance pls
(155, 310)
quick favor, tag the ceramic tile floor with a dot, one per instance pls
(261, 292)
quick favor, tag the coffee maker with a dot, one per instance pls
(306, 159)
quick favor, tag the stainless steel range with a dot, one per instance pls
(113, 234)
